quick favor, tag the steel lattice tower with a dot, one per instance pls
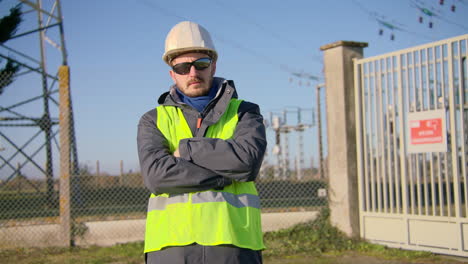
(29, 106)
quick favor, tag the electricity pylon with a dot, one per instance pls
(30, 104)
(282, 146)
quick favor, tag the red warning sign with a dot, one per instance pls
(427, 131)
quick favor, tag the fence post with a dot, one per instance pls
(65, 154)
(121, 178)
(342, 167)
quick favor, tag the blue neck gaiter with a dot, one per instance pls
(199, 102)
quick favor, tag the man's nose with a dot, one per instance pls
(193, 71)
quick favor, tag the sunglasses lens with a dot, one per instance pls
(184, 68)
(202, 64)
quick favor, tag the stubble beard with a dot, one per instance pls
(196, 87)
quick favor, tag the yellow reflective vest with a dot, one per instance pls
(213, 217)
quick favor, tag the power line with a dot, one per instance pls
(383, 21)
(229, 42)
(250, 21)
(432, 13)
(163, 10)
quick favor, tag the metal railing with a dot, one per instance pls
(412, 146)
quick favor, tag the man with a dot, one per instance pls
(200, 151)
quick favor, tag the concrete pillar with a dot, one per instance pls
(342, 167)
(65, 156)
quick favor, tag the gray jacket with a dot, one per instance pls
(205, 163)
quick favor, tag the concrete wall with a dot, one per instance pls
(107, 233)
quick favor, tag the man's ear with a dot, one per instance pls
(172, 73)
(213, 68)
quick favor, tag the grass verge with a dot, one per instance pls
(319, 238)
(313, 242)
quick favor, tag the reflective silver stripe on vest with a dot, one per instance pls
(236, 200)
(159, 202)
(239, 200)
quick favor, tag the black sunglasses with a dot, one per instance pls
(184, 67)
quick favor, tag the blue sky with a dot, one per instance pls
(115, 48)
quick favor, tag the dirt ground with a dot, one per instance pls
(361, 259)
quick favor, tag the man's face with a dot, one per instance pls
(195, 82)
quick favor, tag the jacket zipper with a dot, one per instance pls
(209, 106)
(199, 121)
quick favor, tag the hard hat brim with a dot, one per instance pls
(172, 54)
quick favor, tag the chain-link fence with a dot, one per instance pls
(49, 198)
(293, 182)
(107, 209)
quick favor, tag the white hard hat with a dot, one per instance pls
(188, 37)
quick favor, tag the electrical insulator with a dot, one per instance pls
(392, 37)
(452, 8)
(276, 122)
(420, 19)
(430, 24)
(441, 2)
(380, 32)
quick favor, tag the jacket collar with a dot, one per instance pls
(226, 91)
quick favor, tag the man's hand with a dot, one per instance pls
(176, 153)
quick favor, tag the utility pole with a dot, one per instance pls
(320, 139)
(285, 132)
(300, 128)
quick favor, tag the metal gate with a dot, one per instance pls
(412, 146)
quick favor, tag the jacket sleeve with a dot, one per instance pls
(238, 158)
(164, 173)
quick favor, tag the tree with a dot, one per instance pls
(8, 27)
